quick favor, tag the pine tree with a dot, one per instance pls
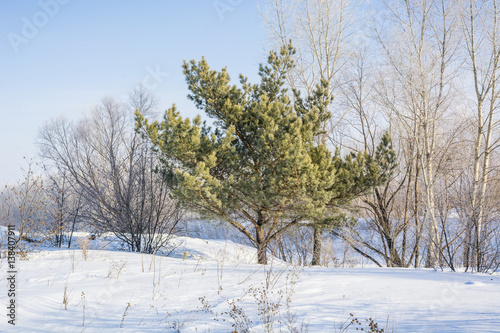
(260, 168)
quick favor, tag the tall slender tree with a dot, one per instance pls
(480, 26)
(420, 48)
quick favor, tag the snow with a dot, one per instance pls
(191, 291)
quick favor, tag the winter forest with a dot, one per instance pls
(363, 144)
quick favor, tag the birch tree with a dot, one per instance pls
(420, 50)
(480, 24)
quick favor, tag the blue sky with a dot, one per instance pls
(60, 57)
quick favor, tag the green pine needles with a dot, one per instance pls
(260, 167)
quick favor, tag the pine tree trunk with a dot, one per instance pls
(318, 240)
(261, 245)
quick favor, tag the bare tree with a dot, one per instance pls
(480, 26)
(381, 207)
(117, 171)
(323, 32)
(140, 99)
(65, 206)
(420, 51)
(24, 205)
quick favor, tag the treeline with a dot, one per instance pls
(378, 130)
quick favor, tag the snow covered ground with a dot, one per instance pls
(209, 286)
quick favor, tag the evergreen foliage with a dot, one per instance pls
(260, 168)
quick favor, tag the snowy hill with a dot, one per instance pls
(214, 286)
